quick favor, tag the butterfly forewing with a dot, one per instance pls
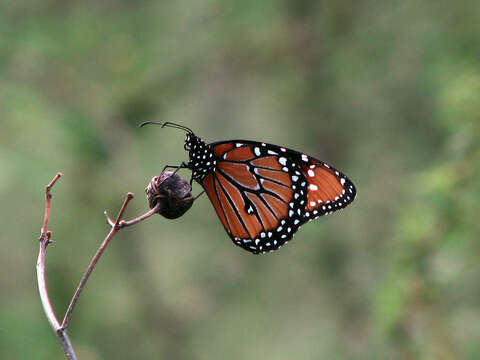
(263, 193)
(328, 189)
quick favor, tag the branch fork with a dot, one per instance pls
(60, 329)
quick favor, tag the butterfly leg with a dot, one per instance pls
(196, 197)
(177, 167)
(183, 165)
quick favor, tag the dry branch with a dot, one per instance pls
(45, 235)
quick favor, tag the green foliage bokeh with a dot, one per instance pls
(388, 92)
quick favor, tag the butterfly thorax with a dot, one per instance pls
(202, 160)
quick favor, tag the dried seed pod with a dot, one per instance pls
(172, 192)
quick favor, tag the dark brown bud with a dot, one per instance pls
(172, 192)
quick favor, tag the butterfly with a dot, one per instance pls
(263, 193)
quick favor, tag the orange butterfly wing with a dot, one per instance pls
(263, 193)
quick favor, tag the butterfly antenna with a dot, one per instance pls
(168, 124)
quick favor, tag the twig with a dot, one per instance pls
(45, 236)
(61, 329)
(125, 223)
(115, 226)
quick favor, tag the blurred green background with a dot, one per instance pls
(387, 91)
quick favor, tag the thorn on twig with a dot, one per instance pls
(124, 206)
(49, 186)
(118, 221)
(109, 221)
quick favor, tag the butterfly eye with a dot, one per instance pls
(188, 142)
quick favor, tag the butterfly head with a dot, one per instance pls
(201, 158)
(194, 145)
(191, 141)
